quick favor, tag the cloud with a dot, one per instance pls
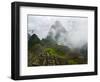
(77, 27)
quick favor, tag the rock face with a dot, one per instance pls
(58, 33)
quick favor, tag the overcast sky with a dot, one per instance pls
(77, 27)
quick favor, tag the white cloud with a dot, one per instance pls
(77, 27)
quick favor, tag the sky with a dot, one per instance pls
(77, 27)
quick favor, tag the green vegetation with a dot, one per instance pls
(47, 52)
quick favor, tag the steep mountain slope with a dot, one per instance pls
(33, 40)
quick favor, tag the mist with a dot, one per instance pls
(76, 28)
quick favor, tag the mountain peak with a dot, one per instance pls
(33, 40)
